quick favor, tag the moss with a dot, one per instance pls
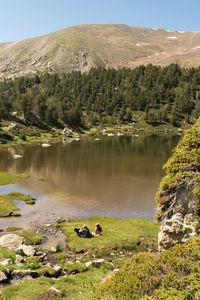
(7, 207)
(21, 196)
(8, 178)
(31, 238)
(74, 268)
(183, 166)
(174, 272)
(42, 179)
(61, 220)
(12, 228)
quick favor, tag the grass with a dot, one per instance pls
(31, 238)
(7, 207)
(8, 178)
(117, 234)
(76, 287)
(20, 196)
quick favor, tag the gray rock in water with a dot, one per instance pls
(26, 250)
(11, 241)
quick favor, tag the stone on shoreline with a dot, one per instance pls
(24, 250)
(11, 241)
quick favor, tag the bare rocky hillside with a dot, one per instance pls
(81, 47)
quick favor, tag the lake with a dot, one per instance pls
(115, 176)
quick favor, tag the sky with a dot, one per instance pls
(21, 19)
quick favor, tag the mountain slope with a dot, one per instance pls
(81, 47)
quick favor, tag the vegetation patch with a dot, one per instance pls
(21, 196)
(182, 169)
(8, 178)
(7, 207)
(12, 228)
(117, 234)
(31, 238)
(174, 274)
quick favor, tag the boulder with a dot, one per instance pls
(25, 250)
(45, 145)
(6, 262)
(67, 130)
(53, 292)
(19, 274)
(13, 126)
(3, 277)
(11, 241)
(19, 259)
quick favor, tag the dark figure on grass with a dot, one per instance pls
(83, 232)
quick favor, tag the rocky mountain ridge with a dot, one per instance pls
(107, 45)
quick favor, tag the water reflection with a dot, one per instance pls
(115, 176)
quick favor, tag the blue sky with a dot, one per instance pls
(20, 19)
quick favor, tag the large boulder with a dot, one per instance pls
(11, 241)
(24, 250)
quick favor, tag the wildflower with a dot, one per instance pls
(125, 289)
(181, 249)
(159, 277)
(166, 269)
(172, 263)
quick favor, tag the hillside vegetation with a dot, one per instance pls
(152, 95)
(106, 45)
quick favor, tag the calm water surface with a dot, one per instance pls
(114, 176)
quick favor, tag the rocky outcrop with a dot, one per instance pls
(179, 220)
(179, 193)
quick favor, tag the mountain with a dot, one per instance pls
(112, 45)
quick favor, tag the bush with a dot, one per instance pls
(174, 274)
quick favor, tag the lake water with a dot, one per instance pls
(113, 176)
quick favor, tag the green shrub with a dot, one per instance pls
(174, 272)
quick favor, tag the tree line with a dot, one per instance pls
(104, 96)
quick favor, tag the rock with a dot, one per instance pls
(16, 156)
(11, 241)
(97, 263)
(19, 259)
(58, 270)
(89, 263)
(6, 262)
(13, 126)
(53, 292)
(25, 250)
(67, 130)
(45, 145)
(178, 219)
(53, 249)
(3, 277)
(24, 273)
